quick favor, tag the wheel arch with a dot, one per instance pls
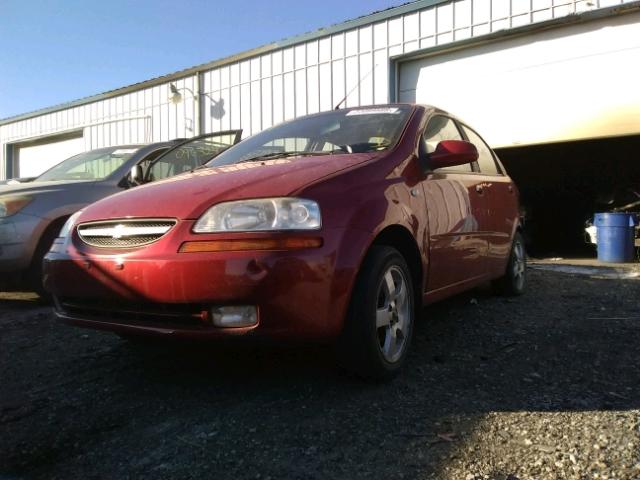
(400, 238)
(52, 229)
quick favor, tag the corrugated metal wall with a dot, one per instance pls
(137, 117)
(301, 79)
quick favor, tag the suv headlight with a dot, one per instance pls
(261, 214)
(12, 204)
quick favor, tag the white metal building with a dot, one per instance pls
(523, 72)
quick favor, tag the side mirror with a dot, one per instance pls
(136, 176)
(449, 153)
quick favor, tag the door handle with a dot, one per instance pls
(479, 188)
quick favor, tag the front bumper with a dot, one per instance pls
(299, 294)
(19, 235)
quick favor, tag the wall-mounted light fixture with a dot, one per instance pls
(176, 97)
(216, 108)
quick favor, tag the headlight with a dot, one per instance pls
(68, 225)
(262, 214)
(12, 204)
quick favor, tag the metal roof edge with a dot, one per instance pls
(287, 42)
(573, 18)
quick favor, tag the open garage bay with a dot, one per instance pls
(543, 386)
(563, 184)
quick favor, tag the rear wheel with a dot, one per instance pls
(379, 324)
(514, 280)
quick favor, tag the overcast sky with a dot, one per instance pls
(56, 51)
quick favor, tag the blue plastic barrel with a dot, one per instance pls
(616, 237)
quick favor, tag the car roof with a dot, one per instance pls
(428, 109)
(172, 142)
(141, 145)
(115, 147)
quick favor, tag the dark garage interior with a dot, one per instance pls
(563, 184)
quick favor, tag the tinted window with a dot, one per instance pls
(485, 157)
(439, 129)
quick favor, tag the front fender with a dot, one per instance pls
(356, 243)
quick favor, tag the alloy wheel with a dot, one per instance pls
(393, 318)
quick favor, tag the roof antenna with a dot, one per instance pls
(337, 107)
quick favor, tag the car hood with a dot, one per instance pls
(188, 196)
(17, 181)
(40, 187)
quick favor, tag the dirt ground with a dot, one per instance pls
(544, 386)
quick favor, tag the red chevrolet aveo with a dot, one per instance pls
(336, 227)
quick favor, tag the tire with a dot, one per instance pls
(379, 324)
(34, 274)
(514, 281)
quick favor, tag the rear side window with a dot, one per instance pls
(439, 129)
(486, 162)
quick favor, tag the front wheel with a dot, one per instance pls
(35, 273)
(514, 280)
(379, 324)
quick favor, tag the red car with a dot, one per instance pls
(336, 227)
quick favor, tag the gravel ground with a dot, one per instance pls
(545, 386)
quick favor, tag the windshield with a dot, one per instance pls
(358, 130)
(93, 165)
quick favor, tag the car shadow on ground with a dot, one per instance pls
(174, 411)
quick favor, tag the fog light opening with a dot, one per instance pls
(234, 316)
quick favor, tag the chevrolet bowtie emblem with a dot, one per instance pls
(119, 231)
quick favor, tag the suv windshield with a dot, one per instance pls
(94, 165)
(358, 130)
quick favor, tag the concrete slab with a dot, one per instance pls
(587, 266)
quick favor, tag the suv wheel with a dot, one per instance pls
(35, 279)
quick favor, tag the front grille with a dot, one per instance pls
(136, 313)
(124, 233)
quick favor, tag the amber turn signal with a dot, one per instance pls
(285, 243)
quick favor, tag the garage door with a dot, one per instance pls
(568, 83)
(33, 159)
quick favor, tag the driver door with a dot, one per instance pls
(457, 214)
(191, 154)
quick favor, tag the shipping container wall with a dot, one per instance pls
(304, 78)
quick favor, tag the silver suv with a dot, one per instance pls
(32, 213)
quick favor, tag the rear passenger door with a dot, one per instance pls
(457, 216)
(501, 202)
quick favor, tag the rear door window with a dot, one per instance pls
(486, 162)
(443, 128)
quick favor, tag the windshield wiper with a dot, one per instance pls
(267, 156)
